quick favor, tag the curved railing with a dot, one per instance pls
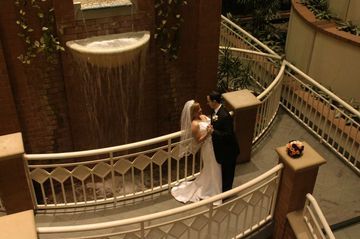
(330, 118)
(263, 64)
(269, 106)
(334, 121)
(109, 174)
(250, 206)
(315, 220)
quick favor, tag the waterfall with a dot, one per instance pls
(112, 88)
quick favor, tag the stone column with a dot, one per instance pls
(18, 225)
(298, 178)
(244, 105)
(14, 187)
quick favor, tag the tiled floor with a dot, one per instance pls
(337, 189)
(351, 232)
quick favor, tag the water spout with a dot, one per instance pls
(110, 50)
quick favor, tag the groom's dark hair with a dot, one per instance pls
(214, 95)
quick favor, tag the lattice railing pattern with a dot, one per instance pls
(110, 175)
(250, 206)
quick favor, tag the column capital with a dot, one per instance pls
(11, 146)
(241, 100)
(309, 159)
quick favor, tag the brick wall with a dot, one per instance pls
(37, 90)
(8, 120)
(51, 104)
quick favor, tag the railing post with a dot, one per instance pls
(298, 178)
(14, 186)
(244, 105)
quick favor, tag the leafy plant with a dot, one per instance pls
(320, 8)
(48, 42)
(262, 11)
(349, 27)
(168, 22)
(232, 73)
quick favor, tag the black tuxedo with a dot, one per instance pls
(226, 147)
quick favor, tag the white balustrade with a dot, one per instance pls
(335, 122)
(109, 174)
(315, 220)
(248, 207)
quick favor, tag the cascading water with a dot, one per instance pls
(111, 71)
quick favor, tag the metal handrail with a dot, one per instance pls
(92, 152)
(251, 52)
(274, 83)
(322, 88)
(104, 225)
(312, 201)
(248, 35)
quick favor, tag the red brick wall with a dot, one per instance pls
(8, 120)
(38, 91)
(50, 105)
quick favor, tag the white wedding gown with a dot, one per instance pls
(208, 183)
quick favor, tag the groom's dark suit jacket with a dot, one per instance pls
(224, 141)
(226, 147)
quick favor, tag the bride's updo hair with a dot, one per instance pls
(194, 109)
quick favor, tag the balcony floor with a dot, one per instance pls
(337, 187)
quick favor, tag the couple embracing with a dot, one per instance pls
(218, 150)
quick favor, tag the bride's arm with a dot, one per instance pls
(195, 129)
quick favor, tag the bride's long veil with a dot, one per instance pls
(185, 123)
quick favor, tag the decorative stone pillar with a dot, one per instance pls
(298, 178)
(18, 225)
(14, 187)
(244, 105)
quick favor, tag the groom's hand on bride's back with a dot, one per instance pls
(210, 129)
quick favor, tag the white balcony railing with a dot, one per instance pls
(250, 206)
(109, 174)
(315, 220)
(335, 122)
(263, 65)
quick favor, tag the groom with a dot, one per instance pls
(224, 140)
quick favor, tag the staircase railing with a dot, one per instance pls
(250, 206)
(334, 121)
(315, 220)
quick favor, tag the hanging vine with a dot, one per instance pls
(47, 43)
(168, 22)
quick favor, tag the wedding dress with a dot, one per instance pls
(208, 183)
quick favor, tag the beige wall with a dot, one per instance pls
(346, 10)
(336, 65)
(300, 38)
(330, 60)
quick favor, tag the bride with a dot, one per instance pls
(208, 183)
